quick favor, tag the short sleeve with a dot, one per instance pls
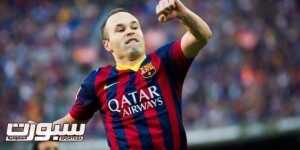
(174, 61)
(86, 103)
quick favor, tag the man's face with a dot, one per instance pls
(125, 37)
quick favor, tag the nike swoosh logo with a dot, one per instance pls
(110, 85)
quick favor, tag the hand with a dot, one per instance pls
(169, 9)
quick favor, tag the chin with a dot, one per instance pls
(134, 48)
(135, 53)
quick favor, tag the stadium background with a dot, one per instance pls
(242, 90)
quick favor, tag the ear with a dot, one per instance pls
(106, 45)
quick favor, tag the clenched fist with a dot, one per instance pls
(169, 9)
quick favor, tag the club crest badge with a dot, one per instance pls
(148, 70)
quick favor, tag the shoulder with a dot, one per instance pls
(98, 76)
(91, 77)
(166, 46)
(167, 49)
(91, 80)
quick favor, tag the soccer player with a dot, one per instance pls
(139, 98)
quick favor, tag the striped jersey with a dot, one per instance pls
(140, 109)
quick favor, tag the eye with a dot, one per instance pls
(134, 26)
(120, 28)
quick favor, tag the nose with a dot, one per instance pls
(130, 33)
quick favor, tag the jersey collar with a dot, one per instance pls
(135, 67)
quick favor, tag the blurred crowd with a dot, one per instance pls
(249, 71)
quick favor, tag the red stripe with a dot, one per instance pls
(166, 92)
(130, 129)
(151, 116)
(100, 82)
(182, 64)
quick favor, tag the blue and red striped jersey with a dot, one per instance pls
(140, 109)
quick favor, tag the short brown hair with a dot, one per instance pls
(112, 12)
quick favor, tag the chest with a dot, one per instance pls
(128, 93)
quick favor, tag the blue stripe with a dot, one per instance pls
(177, 101)
(117, 122)
(163, 115)
(139, 118)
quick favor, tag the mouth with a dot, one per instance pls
(131, 39)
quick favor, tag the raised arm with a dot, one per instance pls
(198, 32)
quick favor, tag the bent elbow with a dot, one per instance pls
(209, 35)
(205, 36)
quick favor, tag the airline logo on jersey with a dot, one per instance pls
(136, 101)
(148, 70)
